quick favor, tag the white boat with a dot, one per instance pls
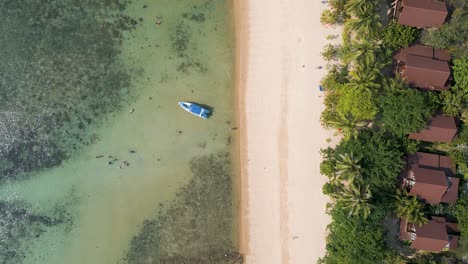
(195, 109)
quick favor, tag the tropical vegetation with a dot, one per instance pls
(373, 112)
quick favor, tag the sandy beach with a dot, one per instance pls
(283, 217)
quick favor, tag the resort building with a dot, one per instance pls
(435, 236)
(440, 128)
(421, 13)
(424, 67)
(430, 177)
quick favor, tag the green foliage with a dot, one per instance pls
(353, 239)
(347, 167)
(332, 189)
(327, 168)
(329, 17)
(356, 199)
(336, 15)
(348, 125)
(380, 160)
(357, 102)
(335, 78)
(410, 208)
(365, 22)
(459, 150)
(405, 111)
(452, 102)
(363, 51)
(455, 100)
(396, 36)
(446, 210)
(451, 35)
(433, 258)
(330, 52)
(462, 216)
(460, 72)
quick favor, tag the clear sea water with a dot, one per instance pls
(96, 154)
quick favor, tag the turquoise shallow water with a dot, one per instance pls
(79, 208)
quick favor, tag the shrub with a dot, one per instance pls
(330, 52)
(329, 17)
(396, 36)
(357, 102)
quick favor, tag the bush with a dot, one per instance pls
(335, 78)
(405, 111)
(330, 52)
(329, 17)
(357, 102)
(396, 36)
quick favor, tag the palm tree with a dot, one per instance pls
(353, 5)
(410, 208)
(366, 22)
(348, 125)
(366, 75)
(363, 51)
(347, 167)
(394, 84)
(356, 199)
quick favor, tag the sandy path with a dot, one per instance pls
(283, 216)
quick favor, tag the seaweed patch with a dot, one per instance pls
(197, 226)
(59, 76)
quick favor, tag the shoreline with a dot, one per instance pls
(241, 61)
(282, 216)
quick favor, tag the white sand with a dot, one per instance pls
(283, 217)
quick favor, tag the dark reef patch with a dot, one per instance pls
(197, 226)
(59, 76)
(20, 225)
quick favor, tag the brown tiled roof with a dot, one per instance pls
(439, 129)
(422, 50)
(423, 13)
(453, 242)
(452, 192)
(433, 181)
(430, 185)
(432, 161)
(426, 73)
(426, 67)
(433, 236)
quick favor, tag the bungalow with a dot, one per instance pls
(421, 13)
(431, 178)
(435, 236)
(439, 129)
(424, 67)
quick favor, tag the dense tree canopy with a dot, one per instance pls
(405, 111)
(380, 159)
(353, 239)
